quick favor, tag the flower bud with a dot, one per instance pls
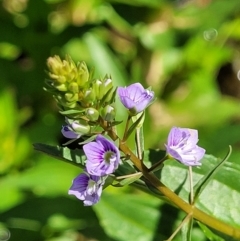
(80, 126)
(71, 97)
(96, 87)
(74, 128)
(92, 114)
(83, 74)
(88, 97)
(73, 87)
(61, 87)
(108, 113)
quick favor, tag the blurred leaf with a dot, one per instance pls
(113, 211)
(104, 61)
(209, 234)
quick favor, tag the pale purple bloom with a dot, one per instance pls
(135, 97)
(103, 156)
(87, 188)
(182, 145)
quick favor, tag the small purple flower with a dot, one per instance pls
(74, 129)
(135, 97)
(182, 145)
(69, 133)
(87, 188)
(103, 156)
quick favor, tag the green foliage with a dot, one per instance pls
(185, 50)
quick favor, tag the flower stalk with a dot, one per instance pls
(173, 197)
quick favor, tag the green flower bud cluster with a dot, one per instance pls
(79, 96)
(67, 80)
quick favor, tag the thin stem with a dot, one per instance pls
(180, 226)
(191, 184)
(139, 143)
(126, 128)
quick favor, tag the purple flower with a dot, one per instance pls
(69, 133)
(182, 145)
(87, 188)
(135, 97)
(74, 129)
(103, 156)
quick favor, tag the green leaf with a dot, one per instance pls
(75, 157)
(186, 231)
(129, 217)
(106, 63)
(128, 180)
(209, 234)
(202, 183)
(69, 112)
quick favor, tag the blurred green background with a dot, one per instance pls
(188, 51)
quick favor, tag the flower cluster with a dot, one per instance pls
(103, 158)
(89, 108)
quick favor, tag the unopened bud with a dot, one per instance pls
(83, 74)
(88, 97)
(92, 114)
(80, 127)
(108, 113)
(96, 89)
(73, 87)
(71, 97)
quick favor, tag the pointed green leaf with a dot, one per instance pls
(186, 231)
(209, 234)
(69, 112)
(126, 181)
(202, 183)
(75, 157)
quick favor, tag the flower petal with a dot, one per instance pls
(182, 145)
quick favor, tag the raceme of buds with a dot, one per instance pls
(67, 80)
(87, 188)
(182, 145)
(103, 157)
(66, 71)
(135, 97)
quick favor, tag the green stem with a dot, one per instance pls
(191, 201)
(180, 226)
(139, 142)
(173, 197)
(126, 128)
